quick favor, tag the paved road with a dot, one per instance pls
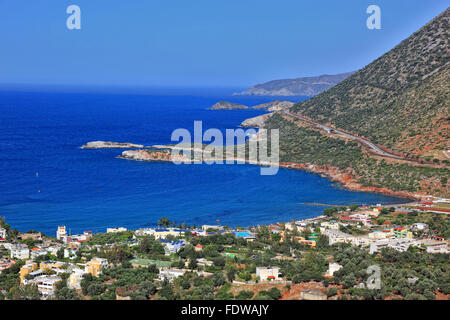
(350, 136)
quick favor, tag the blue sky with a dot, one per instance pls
(197, 42)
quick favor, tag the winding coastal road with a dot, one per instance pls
(348, 135)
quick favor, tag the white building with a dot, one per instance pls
(112, 230)
(376, 235)
(170, 273)
(419, 226)
(46, 284)
(61, 233)
(268, 273)
(332, 268)
(336, 236)
(74, 280)
(204, 262)
(396, 244)
(2, 233)
(161, 233)
(20, 251)
(329, 225)
(37, 253)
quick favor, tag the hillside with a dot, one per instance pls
(302, 145)
(307, 86)
(401, 100)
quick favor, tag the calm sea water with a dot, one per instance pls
(92, 189)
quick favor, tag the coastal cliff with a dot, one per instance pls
(257, 122)
(346, 179)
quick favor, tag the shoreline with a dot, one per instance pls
(347, 181)
(340, 177)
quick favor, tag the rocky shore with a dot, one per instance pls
(345, 179)
(257, 122)
(146, 155)
(341, 177)
(110, 145)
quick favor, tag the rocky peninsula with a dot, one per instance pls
(110, 145)
(257, 122)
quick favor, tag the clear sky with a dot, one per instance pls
(197, 42)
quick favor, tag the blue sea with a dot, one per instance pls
(40, 138)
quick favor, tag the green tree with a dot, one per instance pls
(274, 293)
(164, 222)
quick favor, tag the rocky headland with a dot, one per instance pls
(274, 105)
(110, 145)
(257, 122)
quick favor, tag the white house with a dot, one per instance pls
(61, 232)
(419, 226)
(112, 230)
(74, 280)
(268, 273)
(20, 251)
(46, 284)
(172, 246)
(332, 268)
(170, 273)
(2, 233)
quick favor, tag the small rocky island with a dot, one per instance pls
(225, 105)
(110, 145)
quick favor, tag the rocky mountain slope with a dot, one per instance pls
(401, 100)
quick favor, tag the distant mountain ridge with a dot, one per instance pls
(306, 86)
